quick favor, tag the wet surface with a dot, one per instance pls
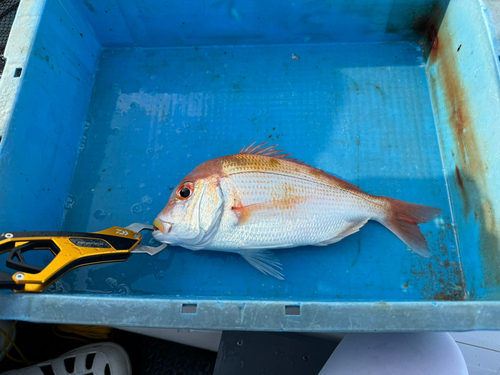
(361, 112)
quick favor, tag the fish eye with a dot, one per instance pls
(185, 190)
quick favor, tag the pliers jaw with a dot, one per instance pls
(143, 249)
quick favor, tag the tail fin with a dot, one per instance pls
(403, 218)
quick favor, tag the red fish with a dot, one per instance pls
(259, 199)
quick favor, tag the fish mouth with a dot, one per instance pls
(162, 226)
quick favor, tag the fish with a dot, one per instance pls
(261, 199)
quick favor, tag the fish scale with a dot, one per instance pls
(296, 225)
(259, 199)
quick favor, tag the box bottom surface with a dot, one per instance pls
(359, 111)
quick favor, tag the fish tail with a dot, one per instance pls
(402, 219)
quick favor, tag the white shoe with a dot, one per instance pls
(95, 359)
(5, 325)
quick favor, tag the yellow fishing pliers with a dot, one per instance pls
(70, 250)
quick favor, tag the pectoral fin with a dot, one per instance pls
(245, 213)
(264, 261)
(251, 213)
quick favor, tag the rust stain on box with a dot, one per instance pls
(456, 100)
(461, 185)
(451, 293)
(448, 87)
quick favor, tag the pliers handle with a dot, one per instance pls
(70, 250)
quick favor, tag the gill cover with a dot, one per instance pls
(195, 219)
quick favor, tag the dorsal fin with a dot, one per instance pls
(271, 152)
(268, 151)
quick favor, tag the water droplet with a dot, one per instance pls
(59, 287)
(122, 289)
(160, 275)
(235, 14)
(111, 282)
(100, 215)
(115, 131)
(70, 200)
(146, 199)
(136, 208)
(88, 122)
(83, 142)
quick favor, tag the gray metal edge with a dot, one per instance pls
(252, 315)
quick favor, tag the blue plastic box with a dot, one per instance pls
(107, 104)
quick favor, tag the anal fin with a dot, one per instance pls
(265, 261)
(352, 228)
